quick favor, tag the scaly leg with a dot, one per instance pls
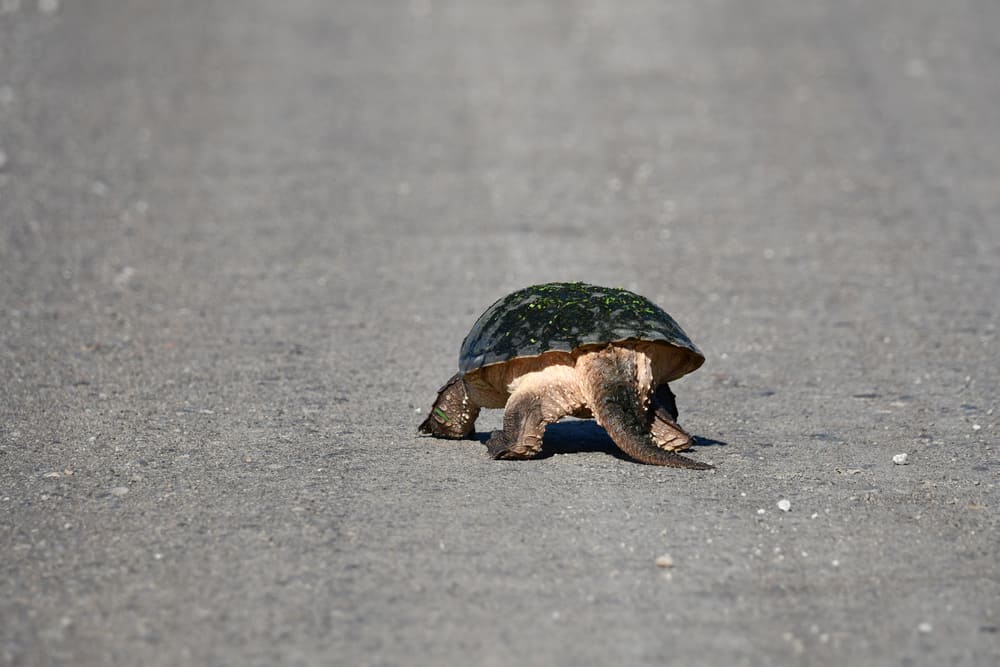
(528, 412)
(666, 432)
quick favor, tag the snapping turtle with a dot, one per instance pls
(548, 351)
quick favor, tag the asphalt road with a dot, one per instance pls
(241, 242)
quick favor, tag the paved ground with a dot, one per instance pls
(240, 243)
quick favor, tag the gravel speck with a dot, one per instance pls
(784, 505)
(665, 561)
(900, 459)
(119, 490)
(925, 627)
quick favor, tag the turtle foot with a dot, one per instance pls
(500, 446)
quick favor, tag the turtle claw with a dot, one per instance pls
(498, 446)
(668, 434)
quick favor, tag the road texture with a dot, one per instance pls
(241, 242)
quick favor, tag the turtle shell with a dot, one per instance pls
(565, 317)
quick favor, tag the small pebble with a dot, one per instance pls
(124, 276)
(761, 511)
(119, 490)
(784, 505)
(975, 427)
(665, 561)
(925, 627)
(900, 459)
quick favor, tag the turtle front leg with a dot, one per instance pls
(454, 413)
(666, 432)
(525, 417)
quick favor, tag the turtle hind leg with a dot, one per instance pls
(529, 410)
(454, 413)
(523, 428)
(666, 432)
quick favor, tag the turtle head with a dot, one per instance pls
(453, 414)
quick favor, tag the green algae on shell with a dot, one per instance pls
(566, 317)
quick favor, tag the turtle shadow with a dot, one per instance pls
(576, 436)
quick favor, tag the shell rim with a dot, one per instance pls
(692, 353)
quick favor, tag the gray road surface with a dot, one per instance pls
(240, 243)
